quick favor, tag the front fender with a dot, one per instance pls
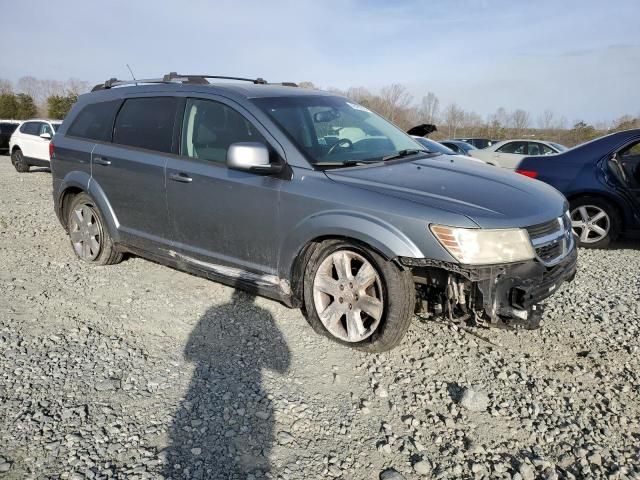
(383, 237)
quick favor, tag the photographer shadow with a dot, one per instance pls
(224, 427)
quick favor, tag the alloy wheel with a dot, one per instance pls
(590, 223)
(85, 232)
(348, 296)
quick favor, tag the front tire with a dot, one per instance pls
(594, 221)
(19, 162)
(89, 236)
(355, 297)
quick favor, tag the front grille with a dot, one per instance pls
(543, 229)
(551, 240)
(549, 253)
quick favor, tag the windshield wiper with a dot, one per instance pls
(347, 163)
(403, 153)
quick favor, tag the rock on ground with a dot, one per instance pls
(140, 371)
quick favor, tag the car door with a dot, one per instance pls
(222, 217)
(29, 138)
(130, 170)
(629, 161)
(41, 145)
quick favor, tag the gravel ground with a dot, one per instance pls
(141, 371)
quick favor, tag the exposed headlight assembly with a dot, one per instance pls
(476, 246)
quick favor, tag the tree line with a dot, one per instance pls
(398, 105)
(31, 97)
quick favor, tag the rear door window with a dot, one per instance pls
(146, 123)
(31, 128)
(514, 147)
(95, 121)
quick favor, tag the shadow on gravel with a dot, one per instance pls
(624, 244)
(224, 426)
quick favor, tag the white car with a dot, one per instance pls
(29, 144)
(509, 153)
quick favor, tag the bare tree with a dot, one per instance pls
(429, 108)
(29, 85)
(395, 98)
(48, 88)
(520, 120)
(453, 117)
(561, 123)
(5, 86)
(359, 94)
(545, 121)
(75, 86)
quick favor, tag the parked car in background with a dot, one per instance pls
(6, 130)
(436, 147)
(478, 142)
(309, 198)
(509, 153)
(461, 148)
(601, 180)
(29, 144)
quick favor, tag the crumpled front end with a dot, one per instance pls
(506, 295)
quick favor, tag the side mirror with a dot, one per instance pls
(251, 157)
(46, 136)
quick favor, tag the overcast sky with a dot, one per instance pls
(580, 59)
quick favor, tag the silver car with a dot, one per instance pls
(308, 198)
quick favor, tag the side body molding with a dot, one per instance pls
(381, 236)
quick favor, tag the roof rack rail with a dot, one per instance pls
(173, 77)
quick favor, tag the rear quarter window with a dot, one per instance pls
(95, 121)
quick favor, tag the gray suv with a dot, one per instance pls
(308, 198)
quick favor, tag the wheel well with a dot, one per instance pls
(65, 202)
(15, 147)
(301, 260)
(605, 198)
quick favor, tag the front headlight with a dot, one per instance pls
(475, 246)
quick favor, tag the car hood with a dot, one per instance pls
(489, 196)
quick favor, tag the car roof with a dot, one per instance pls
(41, 120)
(246, 90)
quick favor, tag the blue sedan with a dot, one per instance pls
(601, 180)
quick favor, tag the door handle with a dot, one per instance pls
(181, 177)
(101, 161)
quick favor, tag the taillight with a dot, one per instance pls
(528, 173)
(51, 149)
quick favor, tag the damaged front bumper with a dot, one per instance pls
(498, 295)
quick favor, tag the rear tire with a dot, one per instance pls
(19, 162)
(387, 297)
(595, 221)
(89, 236)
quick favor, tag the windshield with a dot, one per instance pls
(55, 126)
(435, 147)
(333, 130)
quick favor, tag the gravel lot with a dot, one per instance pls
(141, 371)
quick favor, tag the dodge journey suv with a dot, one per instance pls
(308, 198)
